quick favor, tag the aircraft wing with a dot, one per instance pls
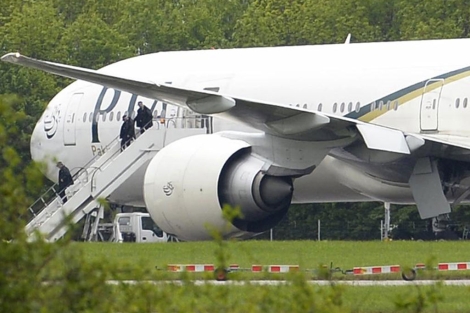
(274, 118)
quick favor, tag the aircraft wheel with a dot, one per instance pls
(221, 274)
(409, 275)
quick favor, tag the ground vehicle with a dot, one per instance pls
(137, 227)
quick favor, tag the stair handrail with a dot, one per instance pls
(51, 194)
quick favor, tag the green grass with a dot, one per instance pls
(307, 254)
(141, 261)
(299, 297)
(382, 299)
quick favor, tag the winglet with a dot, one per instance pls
(348, 39)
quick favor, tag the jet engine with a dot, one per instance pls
(189, 181)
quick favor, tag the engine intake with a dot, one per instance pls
(263, 199)
(188, 182)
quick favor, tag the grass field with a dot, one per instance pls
(144, 259)
(307, 254)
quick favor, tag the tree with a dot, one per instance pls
(432, 19)
(285, 22)
(90, 42)
(34, 30)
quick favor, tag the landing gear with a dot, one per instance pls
(440, 223)
(443, 228)
(385, 227)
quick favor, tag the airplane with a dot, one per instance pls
(356, 122)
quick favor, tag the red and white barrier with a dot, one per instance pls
(376, 270)
(460, 266)
(191, 267)
(368, 270)
(420, 266)
(283, 268)
(275, 268)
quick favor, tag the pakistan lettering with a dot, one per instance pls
(98, 150)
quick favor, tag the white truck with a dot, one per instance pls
(137, 227)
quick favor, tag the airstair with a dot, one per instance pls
(98, 179)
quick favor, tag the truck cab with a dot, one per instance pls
(137, 227)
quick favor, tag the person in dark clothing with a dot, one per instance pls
(65, 180)
(143, 118)
(127, 133)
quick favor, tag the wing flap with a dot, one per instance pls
(384, 139)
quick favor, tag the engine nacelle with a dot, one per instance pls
(188, 182)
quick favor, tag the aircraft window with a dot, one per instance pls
(319, 106)
(111, 115)
(465, 102)
(305, 105)
(381, 105)
(342, 107)
(104, 117)
(457, 103)
(335, 106)
(297, 105)
(358, 107)
(434, 104)
(84, 117)
(350, 107)
(90, 117)
(395, 105)
(388, 104)
(118, 116)
(373, 106)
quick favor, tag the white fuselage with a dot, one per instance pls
(416, 87)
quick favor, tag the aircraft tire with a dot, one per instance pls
(221, 274)
(409, 275)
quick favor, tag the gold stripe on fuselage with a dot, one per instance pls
(407, 94)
